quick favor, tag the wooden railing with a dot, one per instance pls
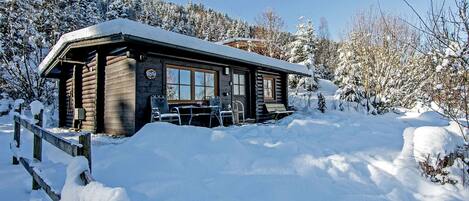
(83, 148)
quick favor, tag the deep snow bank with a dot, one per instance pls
(74, 189)
(310, 156)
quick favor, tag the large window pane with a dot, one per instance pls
(185, 92)
(172, 76)
(199, 78)
(199, 93)
(209, 92)
(209, 79)
(172, 91)
(185, 76)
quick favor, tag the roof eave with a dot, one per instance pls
(145, 40)
(66, 47)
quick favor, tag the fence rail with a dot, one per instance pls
(83, 148)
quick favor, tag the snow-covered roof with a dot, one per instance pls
(136, 29)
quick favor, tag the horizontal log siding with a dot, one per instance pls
(88, 95)
(119, 96)
(280, 92)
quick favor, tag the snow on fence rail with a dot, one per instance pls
(83, 148)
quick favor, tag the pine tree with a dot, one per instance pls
(304, 45)
(302, 51)
(118, 9)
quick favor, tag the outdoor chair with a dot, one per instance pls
(218, 111)
(160, 110)
(238, 110)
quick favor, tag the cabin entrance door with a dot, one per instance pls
(241, 90)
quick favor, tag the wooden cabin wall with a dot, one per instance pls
(88, 94)
(146, 88)
(281, 93)
(78, 92)
(119, 95)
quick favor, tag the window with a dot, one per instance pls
(239, 84)
(204, 85)
(188, 84)
(269, 88)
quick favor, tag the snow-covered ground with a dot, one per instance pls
(307, 156)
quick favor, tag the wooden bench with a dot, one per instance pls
(277, 109)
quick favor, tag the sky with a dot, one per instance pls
(338, 13)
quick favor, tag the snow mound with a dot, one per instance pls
(327, 87)
(5, 104)
(18, 102)
(36, 107)
(74, 190)
(435, 142)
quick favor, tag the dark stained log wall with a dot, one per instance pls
(88, 91)
(146, 88)
(119, 95)
(281, 95)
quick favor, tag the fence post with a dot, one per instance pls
(85, 141)
(16, 135)
(37, 145)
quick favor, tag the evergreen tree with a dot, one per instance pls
(302, 52)
(119, 9)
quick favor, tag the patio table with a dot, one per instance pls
(191, 109)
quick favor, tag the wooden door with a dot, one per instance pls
(241, 90)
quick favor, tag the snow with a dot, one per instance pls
(436, 142)
(306, 156)
(36, 107)
(74, 190)
(18, 102)
(133, 28)
(5, 104)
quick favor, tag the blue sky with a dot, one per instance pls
(337, 12)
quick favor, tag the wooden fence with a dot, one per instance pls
(83, 148)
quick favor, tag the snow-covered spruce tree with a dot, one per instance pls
(22, 49)
(119, 9)
(302, 51)
(351, 94)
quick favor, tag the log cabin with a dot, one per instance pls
(107, 72)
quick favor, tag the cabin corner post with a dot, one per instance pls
(62, 100)
(99, 98)
(285, 89)
(37, 144)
